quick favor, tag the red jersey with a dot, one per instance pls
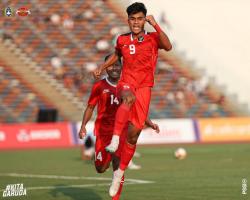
(103, 95)
(139, 58)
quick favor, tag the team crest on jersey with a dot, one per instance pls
(140, 39)
(105, 91)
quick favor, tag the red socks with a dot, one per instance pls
(126, 155)
(121, 118)
(117, 196)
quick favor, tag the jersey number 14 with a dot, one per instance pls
(114, 100)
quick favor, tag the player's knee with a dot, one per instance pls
(132, 98)
(129, 100)
(132, 139)
(100, 169)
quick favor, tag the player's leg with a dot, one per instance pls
(116, 161)
(126, 156)
(133, 166)
(102, 157)
(129, 146)
(121, 118)
(138, 116)
(101, 168)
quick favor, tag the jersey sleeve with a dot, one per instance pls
(118, 45)
(94, 95)
(156, 37)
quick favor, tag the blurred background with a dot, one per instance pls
(49, 54)
(201, 92)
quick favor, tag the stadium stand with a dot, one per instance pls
(18, 101)
(67, 39)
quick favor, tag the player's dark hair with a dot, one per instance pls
(135, 8)
(107, 57)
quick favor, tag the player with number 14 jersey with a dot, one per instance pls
(104, 94)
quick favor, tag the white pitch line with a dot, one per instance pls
(128, 181)
(54, 176)
(138, 181)
(67, 186)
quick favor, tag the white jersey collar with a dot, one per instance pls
(114, 85)
(131, 35)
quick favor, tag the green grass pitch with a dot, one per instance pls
(210, 172)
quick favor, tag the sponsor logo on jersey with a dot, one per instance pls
(126, 87)
(105, 91)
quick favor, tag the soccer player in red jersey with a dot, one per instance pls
(139, 50)
(103, 95)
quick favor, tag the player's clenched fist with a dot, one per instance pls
(82, 132)
(151, 20)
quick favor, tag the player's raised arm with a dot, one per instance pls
(164, 40)
(110, 61)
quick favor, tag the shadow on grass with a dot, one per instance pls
(74, 193)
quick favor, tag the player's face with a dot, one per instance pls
(136, 22)
(114, 71)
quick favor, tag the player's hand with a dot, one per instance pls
(151, 20)
(82, 132)
(155, 127)
(97, 73)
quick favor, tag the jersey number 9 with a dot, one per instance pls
(132, 49)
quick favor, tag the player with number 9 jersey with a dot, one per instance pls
(139, 51)
(139, 58)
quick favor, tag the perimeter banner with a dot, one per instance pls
(171, 131)
(45, 135)
(224, 129)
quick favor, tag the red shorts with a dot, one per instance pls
(139, 110)
(102, 157)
